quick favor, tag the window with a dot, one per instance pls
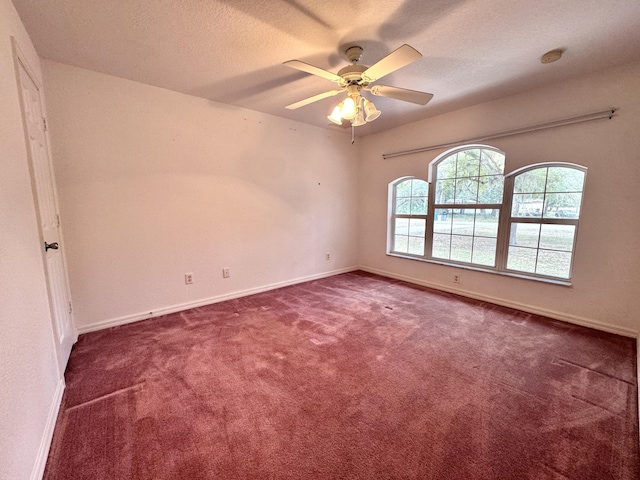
(467, 205)
(545, 208)
(525, 223)
(408, 215)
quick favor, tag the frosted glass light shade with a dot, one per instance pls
(336, 116)
(359, 119)
(348, 108)
(370, 111)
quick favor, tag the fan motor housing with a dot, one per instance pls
(352, 73)
(354, 53)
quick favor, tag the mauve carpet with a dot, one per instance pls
(350, 377)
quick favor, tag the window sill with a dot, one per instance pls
(523, 276)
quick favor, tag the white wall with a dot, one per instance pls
(29, 381)
(606, 267)
(154, 184)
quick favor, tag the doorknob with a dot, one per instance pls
(52, 246)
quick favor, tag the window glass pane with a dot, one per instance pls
(447, 168)
(402, 226)
(441, 246)
(486, 223)
(563, 179)
(416, 245)
(403, 189)
(467, 190)
(491, 163)
(490, 189)
(461, 248)
(555, 264)
(524, 235)
(463, 220)
(484, 251)
(445, 190)
(522, 259)
(442, 220)
(557, 237)
(563, 205)
(403, 206)
(419, 206)
(419, 188)
(417, 226)
(527, 205)
(532, 181)
(410, 201)
(468, 163)
(400, 244)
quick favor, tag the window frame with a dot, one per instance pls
(393, 216)
(504, 222)
(432, 181)
(509, 219)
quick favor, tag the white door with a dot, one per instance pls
(48, 217)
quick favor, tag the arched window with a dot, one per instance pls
(523, 224)
(467, 204)
(545, 209)
(408, 215)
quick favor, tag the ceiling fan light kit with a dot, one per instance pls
(354, 78)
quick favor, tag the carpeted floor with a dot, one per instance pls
(349, 377)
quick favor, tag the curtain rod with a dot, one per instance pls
(610, 113)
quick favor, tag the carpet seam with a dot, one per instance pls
(108, 395)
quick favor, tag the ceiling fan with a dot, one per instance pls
(355, 78)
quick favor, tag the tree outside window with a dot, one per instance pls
(530, 230)
(409, 215)
(545, 209)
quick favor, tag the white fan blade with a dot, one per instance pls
(392, 62)
(404, 94)
(315, 98)
(305, 67)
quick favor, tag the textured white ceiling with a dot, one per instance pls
(231, 51)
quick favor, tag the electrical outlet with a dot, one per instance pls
(226, 273)
(328, 257)
(456, 279)
(188, 278)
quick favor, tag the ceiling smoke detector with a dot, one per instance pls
(551, 56)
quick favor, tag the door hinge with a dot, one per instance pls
(58, 219)
(44, 123)
(70, 308)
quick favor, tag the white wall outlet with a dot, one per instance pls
(226, 273)
(327, 257)
(188, 278)
(456, 279)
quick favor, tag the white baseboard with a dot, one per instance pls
(585, 322)
(114, 322)
(47, 435)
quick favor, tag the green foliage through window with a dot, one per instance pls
(471, 218)
(410, 198)
(544, 212)
(471, 182)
